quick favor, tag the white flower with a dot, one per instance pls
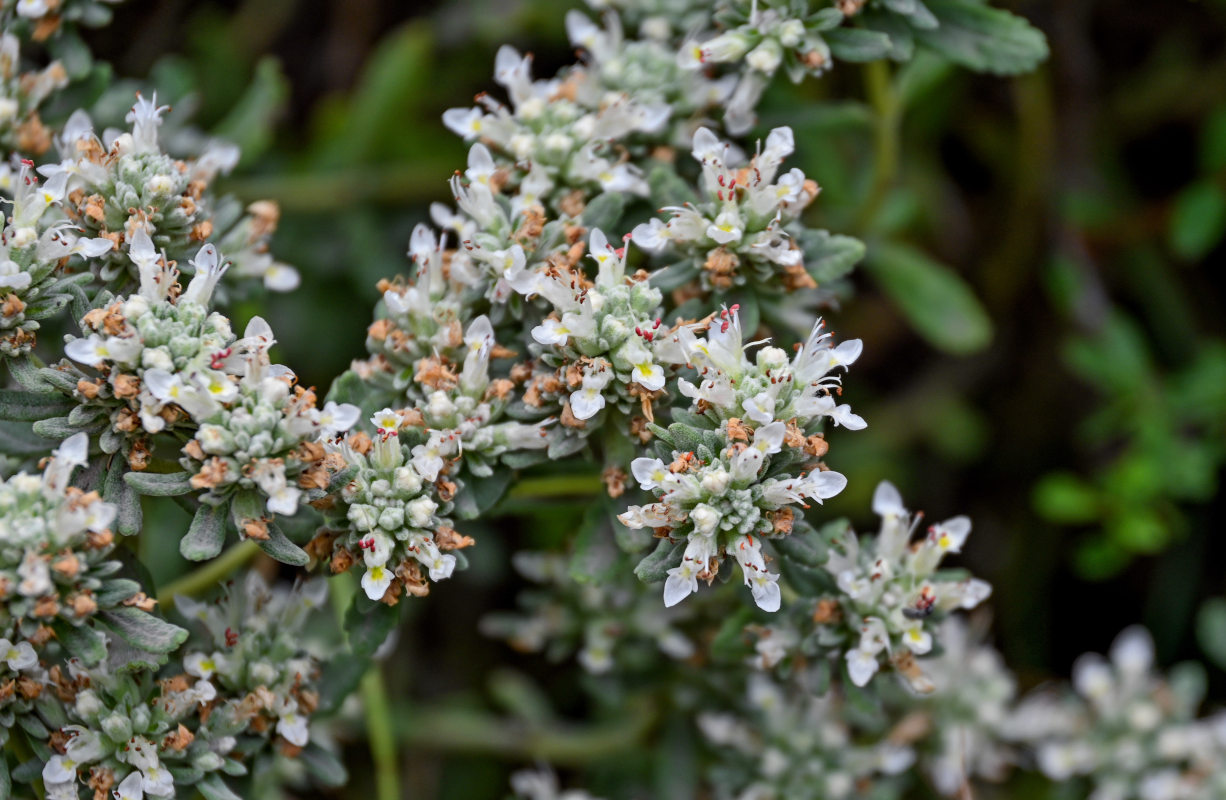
(765, 588)
(60, 769)
(648, 375)
(376, 582)
(950, 535)
(651, 473)
(760, 408)
(705, 518)
(682, 580)
(386, 421)
(204, 666)
(131, 788)
(336, 418)
(727, 228)
(861, 666)
(420, 510)
(916, 639)
(18, 656)
(587, 400)
(291, 725)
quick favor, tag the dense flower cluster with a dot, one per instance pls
(21, 94)
(723, 490)
(57, 561)
(889, 590)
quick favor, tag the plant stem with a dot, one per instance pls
(209, 575)
(380, 733)
(886, 142)
(556, 486)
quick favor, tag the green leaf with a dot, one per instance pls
(19, 439)
(674, 276)
(6, 781)
(592, 558)
(935, 299)
(250, 123)
(282, 549)
(323, 765)
(1198, 220)
(81, 641)
(118, 490)
(115, 591)
(214, 788)
(143, 630)
(605, 212)
(480, 494)
(1211, 630)
(207, 533)
(368, 626)
(1065, 498)
(828, 257)
(668, 188)
(57, 428)
(983, 38)
(857, 44)
(160, 484)
(28, 375)
(655, 566)
(23, 406)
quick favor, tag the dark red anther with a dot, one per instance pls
(231, 637)
(218, 359)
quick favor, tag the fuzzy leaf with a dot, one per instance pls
(19, 439)
(480, 494)
(282, 549)
(6, 781)
(324, 766)
(115, 591)
(605, 212)
(23, 406)
(81, 641)
(936, 300)
(143, 630)
(655, 566)
(159, 484)
(29, 376)
(857, 44)
(830, 257)
(983, 38)
(214, 788)
(668, 188)
(207, 533)
(57, 428)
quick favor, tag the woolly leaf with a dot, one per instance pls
(207, 533)
(23, 406)
(159, 484)
(983, 38)
(829, 257)
(655, 566)
(857, 44)
(81, 641)
(282, 549)
(214, 788)
(143, 630)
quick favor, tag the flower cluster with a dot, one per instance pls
(57, 568)
(724, 481)
(890, 592)
(44, 19)
(742, 231)
(1132, 733)
(610, 624)
(156, 359)
(390, 513)
(34, 244)
(21, 94)
(599, 339)
(123, 185)
(245, 684)
(265, 438)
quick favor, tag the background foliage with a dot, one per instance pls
(1042, 301)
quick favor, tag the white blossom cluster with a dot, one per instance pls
(733, 486)
(889, 590)
(1133, 734)
(741, 230)
(122, 184)
(56, 553)
(389, 515)
(33, 244)
(21, 94)
(600, 337)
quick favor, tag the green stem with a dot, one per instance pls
(886, 138)
(556, 486)
(381, 734)
(209, 575)
(376, 706)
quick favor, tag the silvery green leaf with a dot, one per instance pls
(115, 591)
(143, 630)
(323, 765)
(281, 548)
(983, 38)
(857, 44)
(207, 533)
(56, 428)
(655, 566)
(81, 641)
(159, 484)
(24, 406)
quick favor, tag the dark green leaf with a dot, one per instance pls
(143, 630)
(207, 533)
(281, 548)
(23, 406)
(214, 788)
(1211, 630)
(857, 44)
(1198, 220)
(655, 566)
(983, 38)
(160, 484)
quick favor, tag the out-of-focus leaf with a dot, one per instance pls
(935, 299)
(857, 44)
(1211, 630)
(983, 38)
(250, 123)
(1198, 220)
(1065, 498)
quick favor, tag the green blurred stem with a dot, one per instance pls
(886, 142)
(380, 732)
(209, 575)
(469, 731)
(556, 486)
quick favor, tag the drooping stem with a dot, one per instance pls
(209, 575)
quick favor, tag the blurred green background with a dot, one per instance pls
(1042, 306)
